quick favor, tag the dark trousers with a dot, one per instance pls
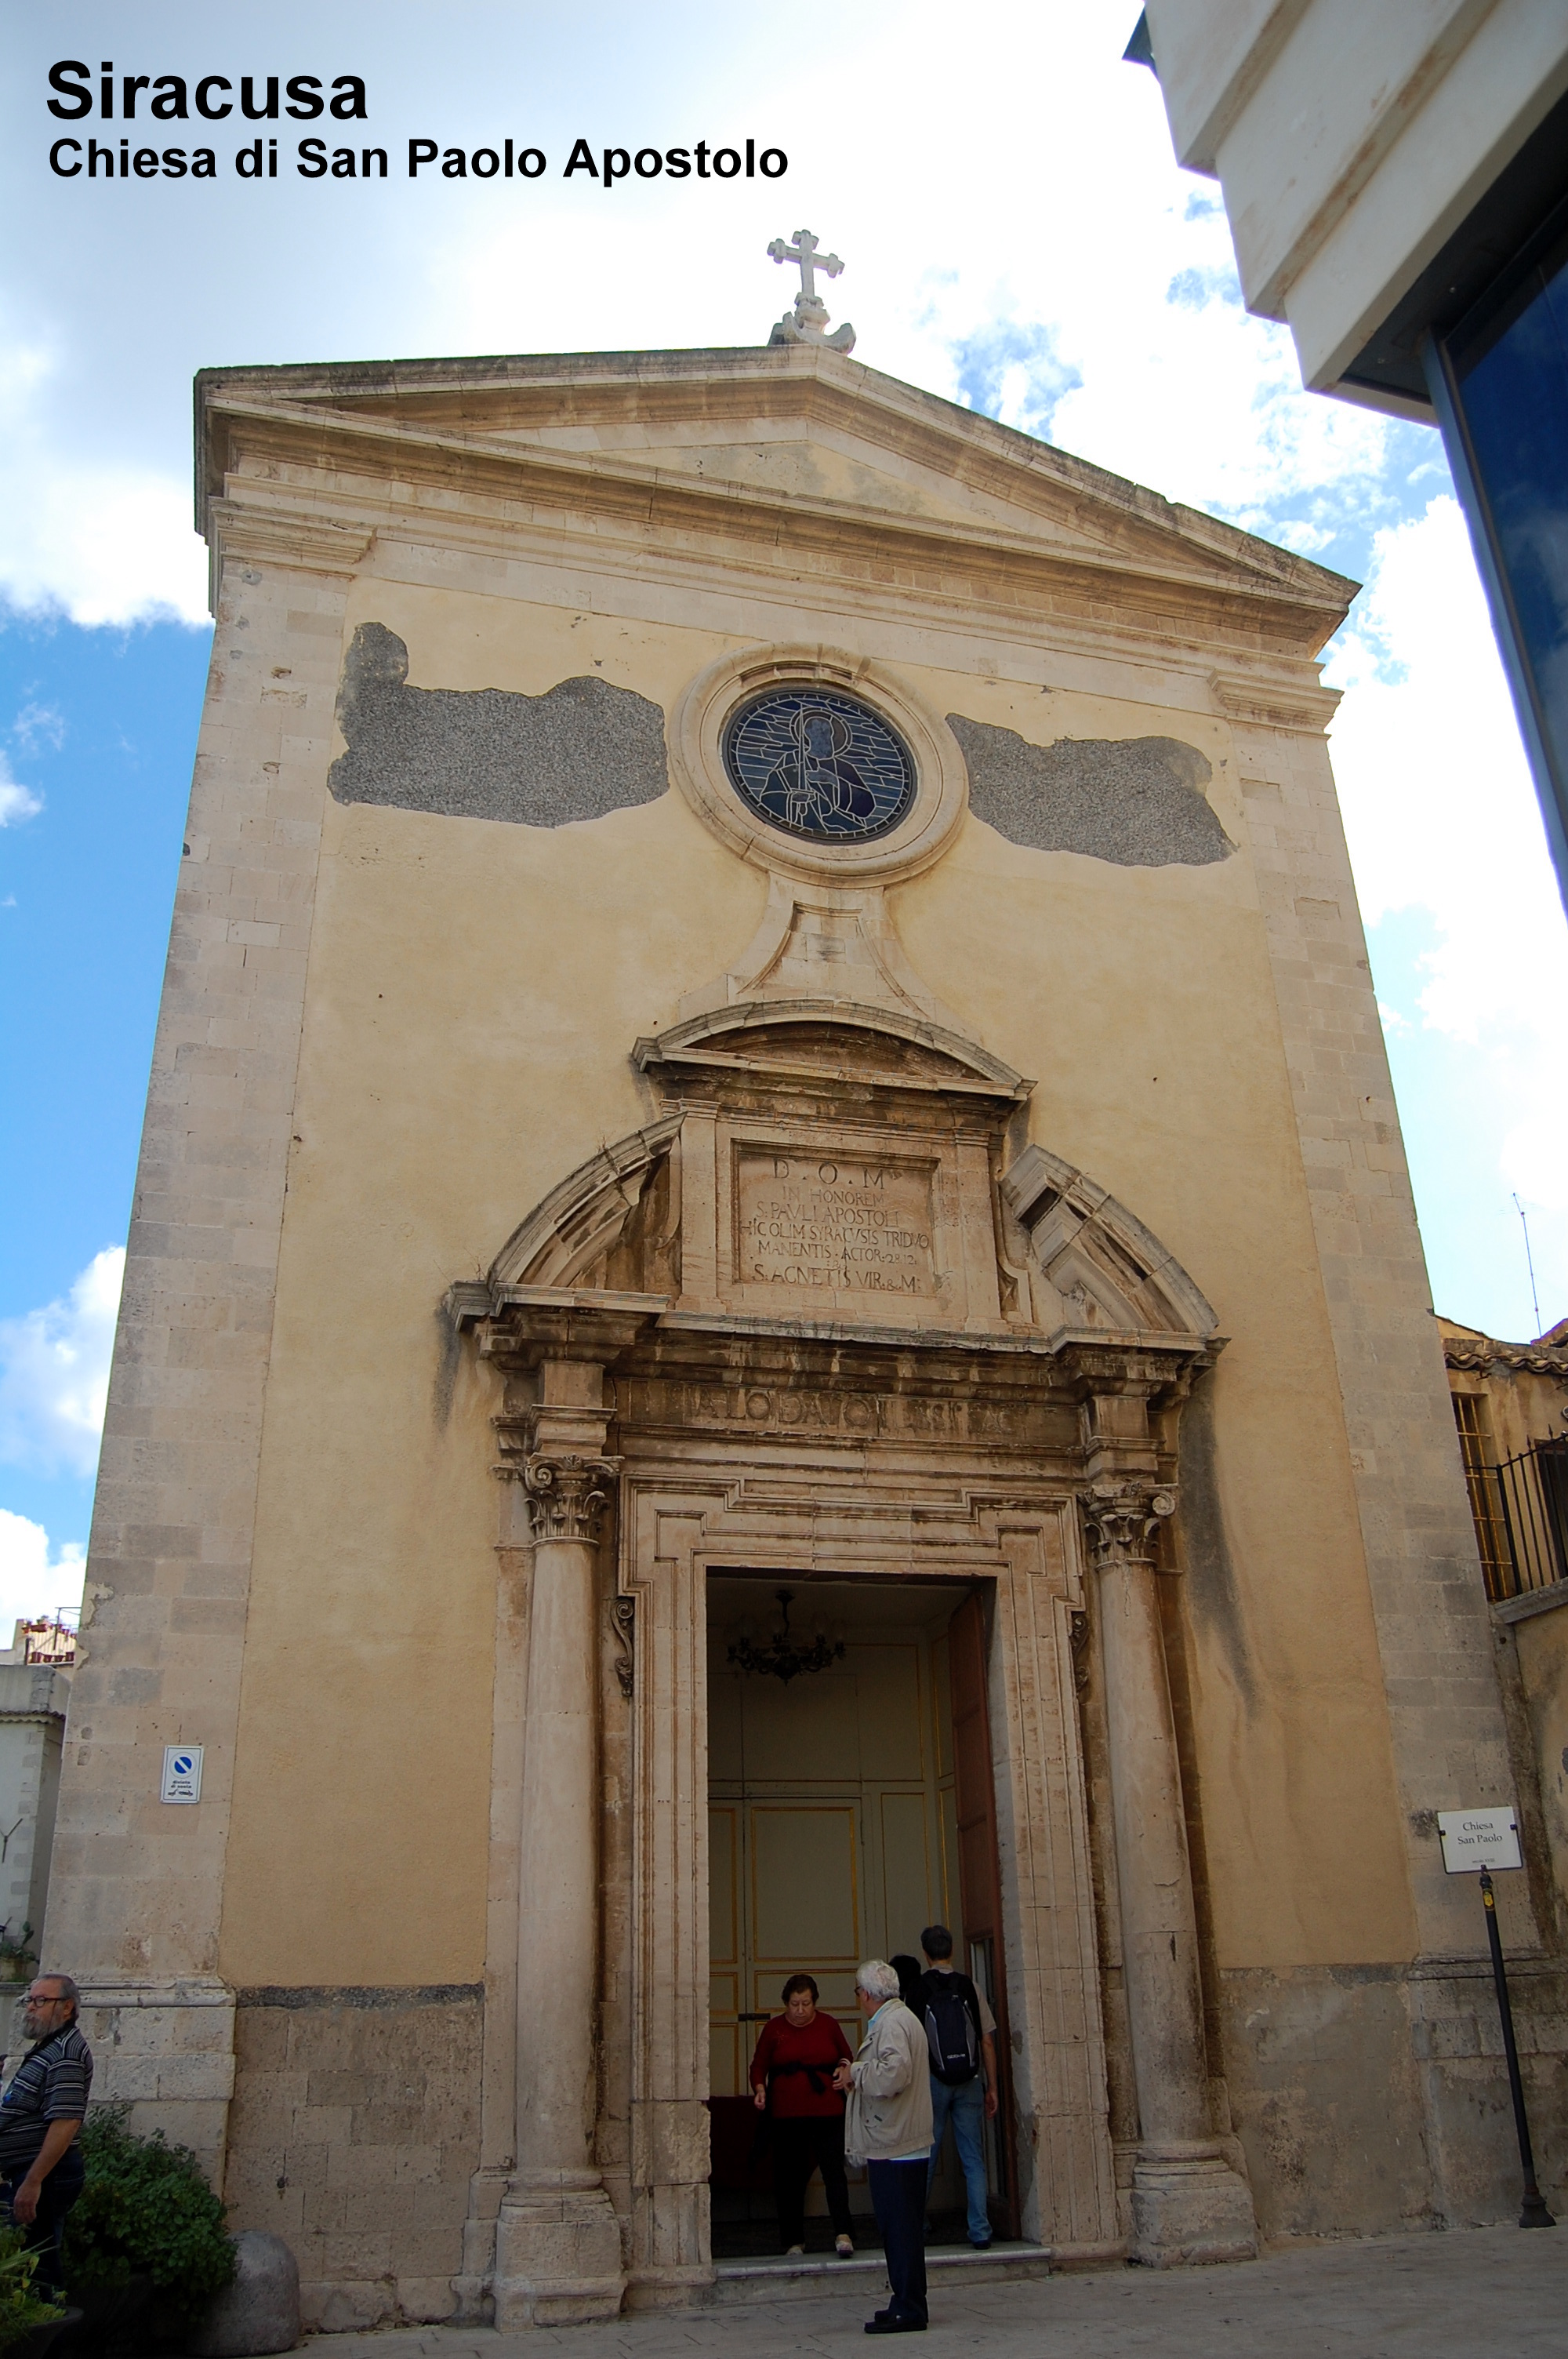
(808, 2142)
(57, 2194)
(898, 2198)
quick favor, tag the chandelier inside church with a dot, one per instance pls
(781, 1657)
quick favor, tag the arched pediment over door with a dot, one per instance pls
(816, 1163)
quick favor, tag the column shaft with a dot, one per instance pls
(557, 1946)
(1159, 1927)
(1188, 2204)
(557, 2241)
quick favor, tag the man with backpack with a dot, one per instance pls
(960, 2034)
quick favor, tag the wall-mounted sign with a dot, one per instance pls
(181, 1773)
(1476, 1839)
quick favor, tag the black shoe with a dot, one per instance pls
(980, 2243)
(885, 2323)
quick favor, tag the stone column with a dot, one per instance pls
(558, 2246)
(1187, 2202)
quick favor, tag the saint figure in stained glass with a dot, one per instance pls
(819, 764)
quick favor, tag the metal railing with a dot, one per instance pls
(1524, 1503)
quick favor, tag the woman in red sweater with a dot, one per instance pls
(792, 2083)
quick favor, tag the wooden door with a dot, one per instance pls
(980, 1871)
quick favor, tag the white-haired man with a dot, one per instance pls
(887, 2126)
(40, 2162)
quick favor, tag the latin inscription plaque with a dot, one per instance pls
(846, 1226)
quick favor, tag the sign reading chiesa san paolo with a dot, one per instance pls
(1476, 1839)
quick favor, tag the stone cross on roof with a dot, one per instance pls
(807, 323)
(806, 251)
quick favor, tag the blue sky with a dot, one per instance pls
(1020, 241)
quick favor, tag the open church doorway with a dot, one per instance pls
(851, 1803)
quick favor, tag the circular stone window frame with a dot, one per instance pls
(710, 704)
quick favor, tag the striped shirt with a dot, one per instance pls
(51, 2083)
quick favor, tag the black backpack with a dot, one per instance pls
(952, 2028)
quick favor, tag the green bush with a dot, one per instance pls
(146, 2212)
(22, 2307)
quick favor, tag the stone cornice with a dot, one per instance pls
(659, 391)
(1053, 625)
(1178, 579)
(1251, 697)
(527, 1325)
(522, 1326)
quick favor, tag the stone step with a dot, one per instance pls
(809, 2276)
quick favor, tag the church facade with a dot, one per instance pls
(768, 1044)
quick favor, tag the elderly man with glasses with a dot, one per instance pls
(887, 2126)
(40, 2163)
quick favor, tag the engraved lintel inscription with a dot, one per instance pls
(845, 1226)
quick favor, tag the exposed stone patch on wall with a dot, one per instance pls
(1137, 801)
(579, 751)
(353, 2134)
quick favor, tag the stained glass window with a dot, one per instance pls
(815, 764)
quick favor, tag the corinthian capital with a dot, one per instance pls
(567, 1495)
(1121, 1517)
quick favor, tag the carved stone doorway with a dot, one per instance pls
(818, 1321)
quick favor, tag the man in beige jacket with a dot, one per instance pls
(887, 2126)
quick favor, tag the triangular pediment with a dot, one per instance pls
(759, 433)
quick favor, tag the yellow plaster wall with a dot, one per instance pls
(1141, 1002)
(474, 989)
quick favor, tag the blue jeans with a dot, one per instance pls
(964, 2108)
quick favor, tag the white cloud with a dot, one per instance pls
(1439, 805)
(34, 1579)
(1441, 815)
(1022, 240)
(38, 724)
(1533, 1159)
(16, 802)
(104, 544)
(54, 1373)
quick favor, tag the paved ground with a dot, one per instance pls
(1485, 2293)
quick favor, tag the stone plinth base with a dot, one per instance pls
(1189, 2207)
(557, 2254)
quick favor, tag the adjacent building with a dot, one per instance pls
(1395, 179)
(33, 1698)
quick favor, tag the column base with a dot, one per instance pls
(557, 2252)
(1188, 2207)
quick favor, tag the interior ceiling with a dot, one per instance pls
(923, 1605)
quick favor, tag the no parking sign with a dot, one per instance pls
(181, 1773)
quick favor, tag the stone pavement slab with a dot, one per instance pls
(1483, 2293)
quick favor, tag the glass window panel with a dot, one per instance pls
(1511, 372)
